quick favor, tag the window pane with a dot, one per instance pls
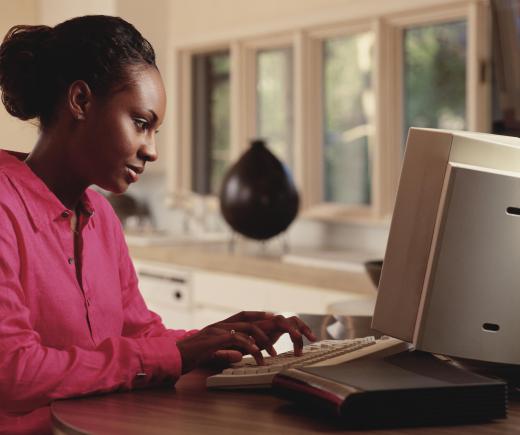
(348, 118)
(220, 128)
(274, 101)
(211, 121)
(435, 76)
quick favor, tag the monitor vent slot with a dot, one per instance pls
(492, 327)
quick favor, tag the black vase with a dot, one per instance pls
(258, 198)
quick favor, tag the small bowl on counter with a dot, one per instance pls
(373, 269)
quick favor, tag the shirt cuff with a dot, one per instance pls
(160, 360)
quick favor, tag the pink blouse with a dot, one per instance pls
(60, 338)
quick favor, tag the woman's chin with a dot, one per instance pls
(116, 187)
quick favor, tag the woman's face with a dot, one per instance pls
(118, 133)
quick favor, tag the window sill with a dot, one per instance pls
(344, 214)
(324, 212)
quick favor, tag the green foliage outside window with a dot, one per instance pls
(435, 76)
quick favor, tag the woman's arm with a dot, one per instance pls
(32, 374)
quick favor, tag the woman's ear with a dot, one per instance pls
(79, 99)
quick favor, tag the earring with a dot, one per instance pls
(79, 117)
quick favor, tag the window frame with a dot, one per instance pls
(248, 97)
(317, 207)
(306, 42)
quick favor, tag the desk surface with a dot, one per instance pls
(190, 408)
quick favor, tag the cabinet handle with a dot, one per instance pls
(177, 294)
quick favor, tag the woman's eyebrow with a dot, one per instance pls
(154, 116)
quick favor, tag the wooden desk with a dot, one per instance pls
(190, 408)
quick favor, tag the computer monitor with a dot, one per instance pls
(450, 282)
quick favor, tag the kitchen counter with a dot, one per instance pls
(215, 257)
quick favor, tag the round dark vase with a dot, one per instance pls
(258, 198)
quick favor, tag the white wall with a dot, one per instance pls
(52, 12)
(202, 20)
(16, 134)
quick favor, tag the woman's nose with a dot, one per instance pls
(148, 152)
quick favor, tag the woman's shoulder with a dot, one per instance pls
(11, 169)
(8, 192)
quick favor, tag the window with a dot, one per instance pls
(274, 97)
(211, 121)
(435, 76)
(334, 99)
(348, 118)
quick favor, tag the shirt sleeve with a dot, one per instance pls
(32, 374)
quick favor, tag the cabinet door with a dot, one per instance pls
(167, 292)
(231, 293)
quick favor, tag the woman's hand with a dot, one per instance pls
(248, 332)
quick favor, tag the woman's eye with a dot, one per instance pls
(141, 124)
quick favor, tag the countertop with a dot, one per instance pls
(215, 257)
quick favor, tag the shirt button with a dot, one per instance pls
(65, 214)
(71, 260)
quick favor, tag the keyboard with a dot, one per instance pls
(247, 374)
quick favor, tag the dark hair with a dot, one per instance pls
(38, 63)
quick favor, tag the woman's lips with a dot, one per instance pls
(132, 174)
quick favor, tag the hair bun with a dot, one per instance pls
(22, 65)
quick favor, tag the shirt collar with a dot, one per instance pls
(42, 205)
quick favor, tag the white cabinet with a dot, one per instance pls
(194, 298)
(238, 292)
(167, 292)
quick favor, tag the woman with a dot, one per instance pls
(72, 320)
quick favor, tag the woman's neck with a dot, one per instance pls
(50, 161)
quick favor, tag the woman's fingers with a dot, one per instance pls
(228, 356)
(260, 337)
(267, 318)
(245, 343)
(288, 325)
(248, 333)
(304, 329)
(294, 326)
